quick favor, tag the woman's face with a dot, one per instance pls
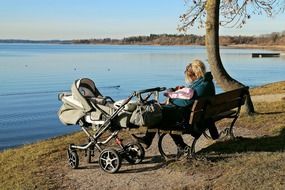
(189, 72)
(193, 76)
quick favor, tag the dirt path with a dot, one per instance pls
(151, 173)
(147, 175)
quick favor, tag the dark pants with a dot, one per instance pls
(176, 138)
(171, 114)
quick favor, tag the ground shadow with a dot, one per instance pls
(153, 159)
(155, 162)
(268, 113)
(156, 166)
(240, 145)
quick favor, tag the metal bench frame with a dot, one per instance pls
(216, 108)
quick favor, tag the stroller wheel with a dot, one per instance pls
(167, 147)
(110, 160)
(134, 153)
(73, 158)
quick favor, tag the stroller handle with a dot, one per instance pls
(158, 89)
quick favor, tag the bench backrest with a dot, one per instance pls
(210, 107)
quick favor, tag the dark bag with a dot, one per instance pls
(148, 114)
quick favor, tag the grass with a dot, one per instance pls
(272, 88)
(269, 117)
(262, 170)
(244, 163)
(41, 165)
(35, 166)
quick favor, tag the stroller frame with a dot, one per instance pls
(110, 159)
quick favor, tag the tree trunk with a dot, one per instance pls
(223, 79)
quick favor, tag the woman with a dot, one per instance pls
(201, 82)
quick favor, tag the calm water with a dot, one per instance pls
(31, 75)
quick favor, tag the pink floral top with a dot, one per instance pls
(183, 93)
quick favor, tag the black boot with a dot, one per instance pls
(182, 147)
(145, 140)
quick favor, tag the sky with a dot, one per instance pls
(85, 19)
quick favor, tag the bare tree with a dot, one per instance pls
(212, 14)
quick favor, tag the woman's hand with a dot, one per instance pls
(179, 87)
(166, 94)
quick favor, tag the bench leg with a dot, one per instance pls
(231, 132)
(168, 154)
(206, 135)
(192, 152)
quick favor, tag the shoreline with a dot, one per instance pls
(279, 48)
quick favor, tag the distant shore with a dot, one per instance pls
(274, 41)
(237, 46)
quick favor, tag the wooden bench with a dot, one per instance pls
(218, 107)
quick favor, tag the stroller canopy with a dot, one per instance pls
(76, 104)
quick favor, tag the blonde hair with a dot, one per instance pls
(195, 70)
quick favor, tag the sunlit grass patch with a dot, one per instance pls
(252, 171)
(33, 166)
(269, 117)
(245, 170)
(262, 170)
(272, 88)
(41, 165)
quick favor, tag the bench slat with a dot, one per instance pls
(227, 96)
(212, 111)
(226, 114)
(213, 107)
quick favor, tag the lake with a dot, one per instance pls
(31, 76)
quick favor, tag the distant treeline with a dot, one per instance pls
(276, 38)
(152, 39)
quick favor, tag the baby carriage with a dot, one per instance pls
(96, 114)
